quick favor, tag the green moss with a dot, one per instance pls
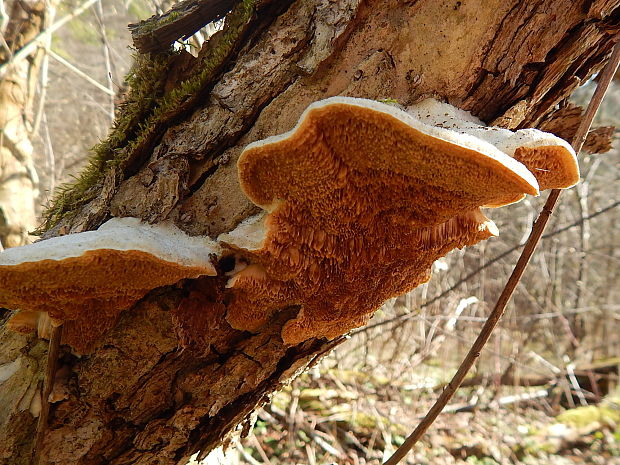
(147, 25)
(389, 101)
(581, 417)
(111, 151)
(146, 113)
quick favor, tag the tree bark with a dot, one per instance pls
(137, 398)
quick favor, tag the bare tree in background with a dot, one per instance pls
(137, 398)
(20, 117)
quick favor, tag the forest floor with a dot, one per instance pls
(344, 417)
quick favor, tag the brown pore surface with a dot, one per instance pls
(88, 292)
(553, 166)
(361, 206)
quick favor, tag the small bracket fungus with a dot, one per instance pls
(361, 198)
(85, 280)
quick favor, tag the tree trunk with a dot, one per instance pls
(137, 398)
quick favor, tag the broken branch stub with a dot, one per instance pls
(361, 198)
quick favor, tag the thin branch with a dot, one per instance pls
(44, 77)
(259, 449)
(50, 375)
(51, 158)
(80, 73)
(251, 460)
(4, 20)
(40, 38)
(515, 277)
(106, 56)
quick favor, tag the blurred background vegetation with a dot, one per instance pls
(543, 391)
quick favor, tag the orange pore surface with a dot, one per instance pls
(360, 205)
(87, 292)
(553, 167)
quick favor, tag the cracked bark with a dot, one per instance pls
(137, 398)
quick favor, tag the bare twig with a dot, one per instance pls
(515, 277)
(4, 18)
(38, 115)
(311, 455)
(282, 416)
(576, 322)
(40, 38)
(324, 444)
(5, 45)
(570, 370)
(106, 56)
(51, 158)
(47, 43)
(502, 401)
(260, 449)
(251, 460)
(433, 343)
(292, 417)
(80, 73)
(48, 384)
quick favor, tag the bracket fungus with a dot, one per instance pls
(85, 280)
(361, 198)
(549, 158)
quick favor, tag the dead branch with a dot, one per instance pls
(157, 33)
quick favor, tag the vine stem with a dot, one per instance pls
(528, 250)
(48, 384)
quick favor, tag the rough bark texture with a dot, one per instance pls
(564, 122)
(137, 398)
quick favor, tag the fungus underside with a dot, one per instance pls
(344, 231)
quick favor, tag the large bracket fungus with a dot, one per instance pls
(361, 198)
(85, 280)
